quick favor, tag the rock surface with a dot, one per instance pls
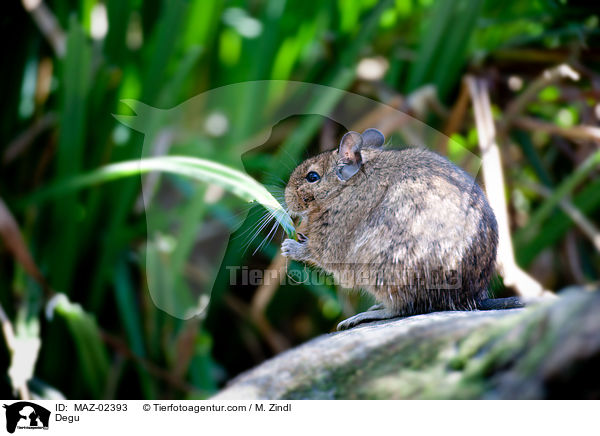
(551, 350)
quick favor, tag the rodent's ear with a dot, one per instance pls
(372, 138)
(350, 146)
(350, 160)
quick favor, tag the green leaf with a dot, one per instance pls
(75, 85)
(233, 181)
(129, 313)
(587, 201)
(563, 190)
(86, 335)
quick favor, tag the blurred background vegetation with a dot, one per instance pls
(70, 63)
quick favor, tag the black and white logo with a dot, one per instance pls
(26, 415)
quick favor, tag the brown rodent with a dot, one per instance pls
(408, 226)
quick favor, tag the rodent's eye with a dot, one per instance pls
(313, 177)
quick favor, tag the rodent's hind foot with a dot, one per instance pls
(368, 316)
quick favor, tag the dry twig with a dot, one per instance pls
(48, 25)
(574, 133)
(513, 275)
(22, 142)
(276, 341)
(585, 225)
(10, 233)
(456, 118)
(153, 369)
(548, 77)
(265, 292)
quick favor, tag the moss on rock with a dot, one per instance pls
(545, 351)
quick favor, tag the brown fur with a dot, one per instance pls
(409, 227)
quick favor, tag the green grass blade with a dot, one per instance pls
(587, 201)
(524, 141)
(452, 52)
(432, 36)
(132, 323)
(233, 181)
(564, 189)
(192, 218)
(341, 78)
(76, 81)
(92, 353)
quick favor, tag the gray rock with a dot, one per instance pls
(551, 350)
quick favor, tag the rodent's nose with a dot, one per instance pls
(307, 200)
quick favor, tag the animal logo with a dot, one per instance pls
(26, 415)
(217, 126)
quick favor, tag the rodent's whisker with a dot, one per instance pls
(273, 179)
(291, 160)
(266, 216)
(268, 238)
(262, 223)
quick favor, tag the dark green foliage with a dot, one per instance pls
(109, 340)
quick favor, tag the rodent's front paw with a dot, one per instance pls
(294, 249)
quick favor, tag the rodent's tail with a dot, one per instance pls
(500, 303)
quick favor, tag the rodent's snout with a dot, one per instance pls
(298, 197)
(307, 182)
(289, 201)
(295, 204)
